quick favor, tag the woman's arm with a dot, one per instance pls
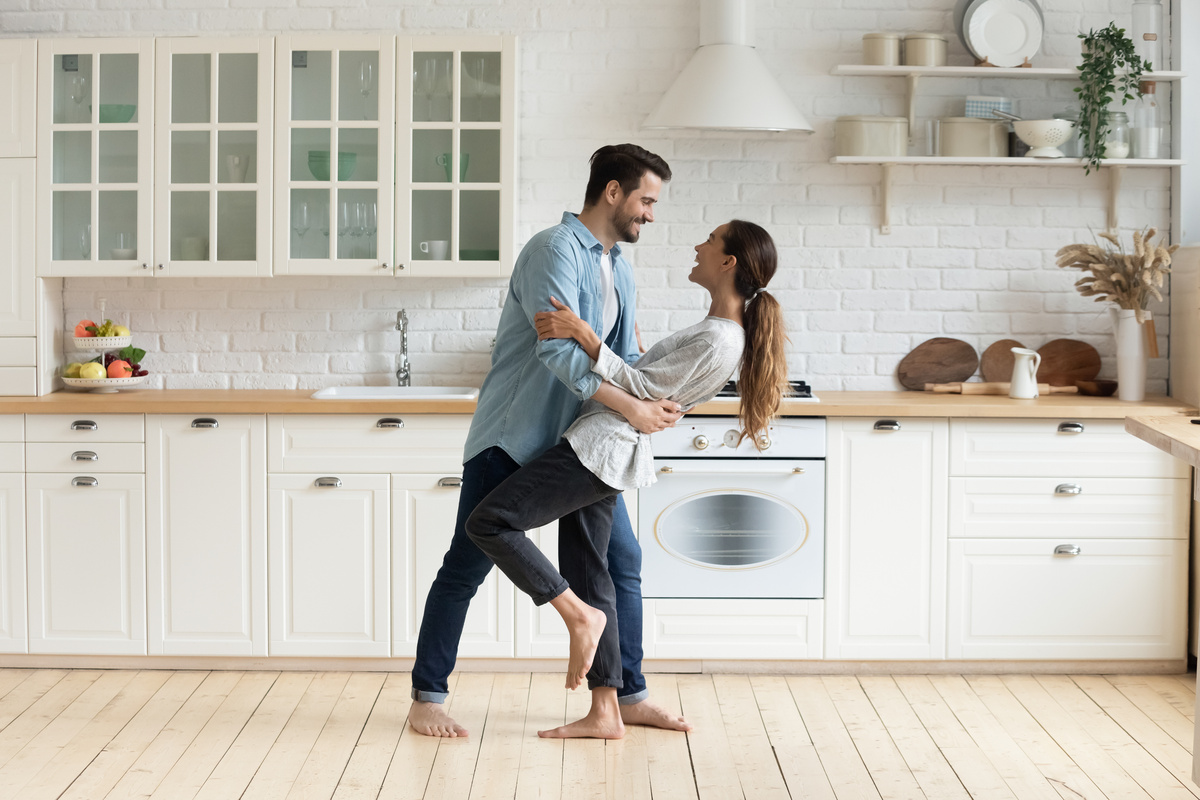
(565, 324)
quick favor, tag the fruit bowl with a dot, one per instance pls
(99, 343)
(103, 385)
(318, 164)
(116, 112)
(1044, 135)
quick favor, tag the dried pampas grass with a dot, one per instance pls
(1127, 279)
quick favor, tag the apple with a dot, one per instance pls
(121, 330)
(72, 370)
(91, 371)
(119, 369)
(81, 330)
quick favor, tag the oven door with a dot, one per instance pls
(733, 528)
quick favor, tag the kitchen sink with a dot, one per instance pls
(397, 393)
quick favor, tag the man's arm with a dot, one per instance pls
(648, 416)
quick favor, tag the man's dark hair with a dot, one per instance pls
(625, 164)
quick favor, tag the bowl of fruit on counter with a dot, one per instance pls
(108, 372)
(94, 338)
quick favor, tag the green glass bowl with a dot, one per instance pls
(318, 164)
(116, 112)
(479, 255)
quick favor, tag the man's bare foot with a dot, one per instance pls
(431, 719)
(585, 631)
(594, 726)
(648, 713)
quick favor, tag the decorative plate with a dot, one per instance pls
(103, 385)
(97, 343)
(1005, 32)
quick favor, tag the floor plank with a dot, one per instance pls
(668, 757)
(539, 774)
(27, 692)
(713, 761)
(408, 773)
(1165, 715)
(794, 751)
(365, 774)
(500, 745)
(331, 753)
(847, 773)
(12, 678)
(583, 759)
(41, 711)
(1181, 697)
(892, 777)
(757, 771)
(454, 767)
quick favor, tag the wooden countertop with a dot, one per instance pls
(1175, 435)
(833, 404)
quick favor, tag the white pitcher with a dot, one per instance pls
(1024, 375)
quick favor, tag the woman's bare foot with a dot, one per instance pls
(431, 719)
(585, 638)
(603, 720)
(648, 713)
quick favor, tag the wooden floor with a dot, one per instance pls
(92, 734)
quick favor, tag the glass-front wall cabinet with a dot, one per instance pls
(334, 164)
(455, 176)
(213, 145)
(95, 122)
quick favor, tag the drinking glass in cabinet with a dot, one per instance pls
(355, 226)
(237, 213)
(72, 89)
(72, 157)
(431, 87)
(116, 213)
(117, 93)
(189, 226)
(428, 147)
(72, 226)
(483, 149)
(189, 156)
(430, 221)
(300, 221)
(237, 88)
(311, 206)
(479, 226)
(85, 242)
(480, 87)
(118, 159)
(357, 95)
(312, 84)
(124, 246)
(191, 88)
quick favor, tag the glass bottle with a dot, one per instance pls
(1147, 32)
(1147, 132)
(1116, 141)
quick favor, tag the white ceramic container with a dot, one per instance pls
(972, 137)
(871, 136)
(925, 50)
(881, 49)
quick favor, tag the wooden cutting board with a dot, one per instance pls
(997, 361)
(1065, 361)
(939, 360)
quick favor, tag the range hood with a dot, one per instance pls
(726, 86)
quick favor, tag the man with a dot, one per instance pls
(532, 394)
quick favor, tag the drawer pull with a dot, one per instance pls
(84, 425)
(205, 422)
(328, 483)
(390, 422)
(449, 481)
(1068, 488)
(887, 425)
(84, 481)
(84, 455)
(1070, 427)
(1067, 550)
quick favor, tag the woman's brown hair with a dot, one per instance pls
(763, 375)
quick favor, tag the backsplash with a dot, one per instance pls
(971, 253)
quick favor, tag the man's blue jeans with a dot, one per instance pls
(465, 568)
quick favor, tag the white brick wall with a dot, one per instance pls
(971, 253)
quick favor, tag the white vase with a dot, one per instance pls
(1131, 353)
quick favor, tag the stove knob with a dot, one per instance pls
(764, 441)
(700, 442)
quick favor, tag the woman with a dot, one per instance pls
(577, 480)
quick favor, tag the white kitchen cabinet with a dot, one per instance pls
(424, 511)
(18, 98)
(206, 537)
(18, 289)
(885, 573)
(12, 535)
(87, 570)
(329, 588)
(733, 629)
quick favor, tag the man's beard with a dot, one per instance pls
(624, 226)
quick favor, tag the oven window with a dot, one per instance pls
(731, 530)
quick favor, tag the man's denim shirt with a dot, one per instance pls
(534, 389)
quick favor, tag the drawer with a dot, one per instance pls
(733, 629)
(85, 428)
(377, 443)
(18, 381)
(12, 428)
(1099, 508)
(1117, 599)
(12, 457)
(1100, 449)
(95, 457)
(18, 351)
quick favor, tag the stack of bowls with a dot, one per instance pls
(318, 164)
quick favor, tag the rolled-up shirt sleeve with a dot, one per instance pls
(550, 272)
(659, 379)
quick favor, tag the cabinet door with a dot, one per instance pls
(87, 570)
(212, 147)
(328, 565)
(886, 526)
(206, 543)
(95, 176)
(456, 150)
(18, 295)
(424, 511)
(18, 98)
(12, 562)
(334, 164)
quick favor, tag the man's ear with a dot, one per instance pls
(612, 192)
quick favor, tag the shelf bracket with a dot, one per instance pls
(885, 199)
(912, 107)
(1115, 176)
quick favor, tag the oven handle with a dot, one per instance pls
(727, 470)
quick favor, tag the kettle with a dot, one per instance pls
(1024, 375)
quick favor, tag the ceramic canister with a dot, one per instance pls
(871, 136)
(972, 137)
(881, 49)
(925, 50)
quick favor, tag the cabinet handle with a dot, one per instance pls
(84, 480)
(328, 483)
(1068, 488)
(399, 266)
(84, 455)
(385, 266)
(205, 422)
(1067, 550)
(145, 266)
(1070, 427)
(160, 266)
(390, 422)
(887, 425)
(84, 425)
(449, 481)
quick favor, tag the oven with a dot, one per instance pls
(728, 521)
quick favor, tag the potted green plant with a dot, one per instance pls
(1110, 69)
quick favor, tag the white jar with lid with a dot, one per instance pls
(924, 50)
(881, 49)
(871, 136)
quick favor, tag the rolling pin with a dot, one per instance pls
(994, 387)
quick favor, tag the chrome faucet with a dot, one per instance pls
(403, 373)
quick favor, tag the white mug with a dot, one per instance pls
(236, 167)
(1024, 375)
(436, 249)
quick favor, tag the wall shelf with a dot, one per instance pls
(1052, 73)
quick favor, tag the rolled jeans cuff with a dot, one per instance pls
(542, 599)
(428, 697)
(606, 683)
(630, 699)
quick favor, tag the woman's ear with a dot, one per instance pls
(729, 264)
